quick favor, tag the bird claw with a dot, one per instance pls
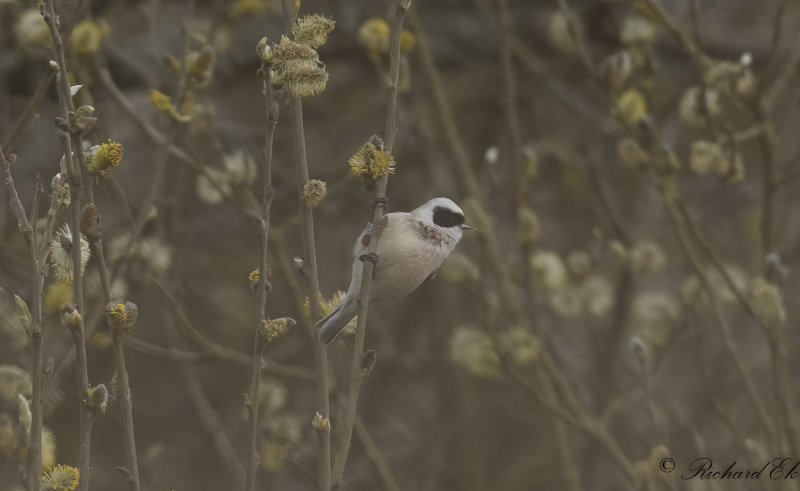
(381, 201)
(370, 256)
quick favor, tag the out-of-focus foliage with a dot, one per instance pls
(629, 295)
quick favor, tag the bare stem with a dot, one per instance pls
(213, 425)
(271, 110)
(75, 179)
(390, 131)
(126, 404)
(730, 344)
(310, 253)
(34, 468)
(376, 456)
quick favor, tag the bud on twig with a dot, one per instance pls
(368, 359)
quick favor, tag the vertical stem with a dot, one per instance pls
(356, 375)
(74, 173)
(309, 246)
(34, 467)
(255, 384)
(310, 252)
(127, 413)
(271, 110)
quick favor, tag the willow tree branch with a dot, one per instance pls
(30, 110)
(272, 111)
(445, 111)
(126, 403)
(376, 456)
(357, 373)
(213, 425)
(75, 179)
(310, 253)
(34, 467)
(730, 344)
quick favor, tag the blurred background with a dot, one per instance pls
(631, 167)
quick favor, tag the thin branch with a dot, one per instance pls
(127, 412)
(75, 179)
(34, 467)
(376, 456)
(271, 110)
(445, 111)
(730, 345)
(368, 269)
(706, 248)
(30, 110)
(213, 425)
(310, 253)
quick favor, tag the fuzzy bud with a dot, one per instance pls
(90, 222)
(270, 329)
(371, 162)
(70, 317)
(264, 52)
(84, 121)
(61, 478)
(320, 423)
(312, 30)
(23, 314)
(61, 254)
(104, 157)
(768, 303)
(87, 35)
(163, 103)
(529, 230)
(368, 361)
(97, 398)
(696, 104)
(314, 192)
(708, 157)
(616, 68)
(122, 315)
(631, 107)
(298, 69)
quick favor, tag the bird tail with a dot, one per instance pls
(332, 324)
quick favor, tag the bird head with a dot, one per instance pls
(444, 213)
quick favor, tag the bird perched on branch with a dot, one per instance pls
(412, 247)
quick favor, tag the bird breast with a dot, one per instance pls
(409, 251)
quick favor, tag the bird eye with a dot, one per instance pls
(444, 217)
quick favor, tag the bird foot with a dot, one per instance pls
(381, 201)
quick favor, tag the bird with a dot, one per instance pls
(412, 247)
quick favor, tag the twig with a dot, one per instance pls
(34, 468)
(127, 412)
(75, 176)
(376, 456)
(678, 33)
(213, 425)
(310, 253)
(30, 110)
(740, 297)
(443, 108)
(271, 110)
(368, 269)
(508, 293)
(226, 354)
(727, 337)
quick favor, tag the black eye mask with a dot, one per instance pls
(447, 218)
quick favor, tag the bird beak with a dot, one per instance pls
(464, 226)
